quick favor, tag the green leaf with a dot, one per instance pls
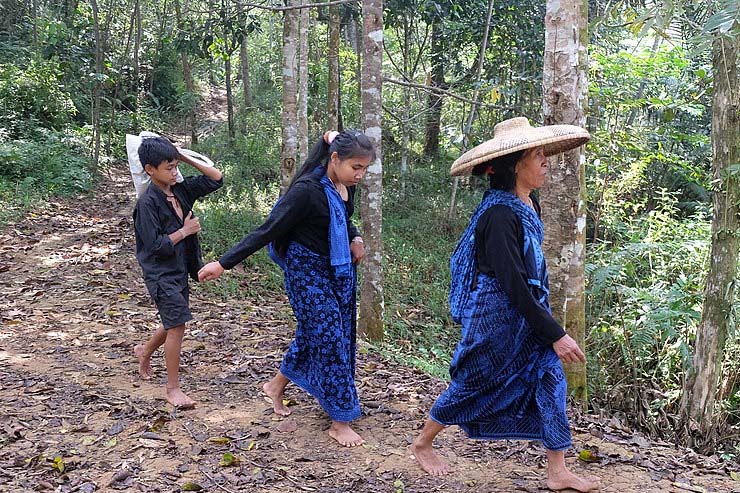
(190, 486)
(228, 460)
(58, 464)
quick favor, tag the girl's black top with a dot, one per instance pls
(499, 240)
(301, 215)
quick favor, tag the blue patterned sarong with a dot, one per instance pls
(504, 384)
(321, 358)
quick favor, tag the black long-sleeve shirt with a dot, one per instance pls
(500, 245)
(302, 215)
(166, 266)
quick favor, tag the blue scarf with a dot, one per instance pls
(339, 253)
(463, 263)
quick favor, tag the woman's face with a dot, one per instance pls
(349, 171)
(531, 170)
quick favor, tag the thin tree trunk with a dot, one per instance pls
(473, 108)
(434, 101)
(304, 22)
(564, 197)
(290, 115)
(371, 290)
(187, 75)
(246, 86)
(229, 98)
(333, 56)
(698, 402)
(97, 89)
(137, 67)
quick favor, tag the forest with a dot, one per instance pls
(648, 286)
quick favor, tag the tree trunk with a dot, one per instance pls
(304, 22)
(371, 290)
(229, 99)
(137, 67)
(434, 101)
(97, 89)
(564, 197)
(290, 115)
(244, 64)
(333, 56)
(699, 421)
(187, 75)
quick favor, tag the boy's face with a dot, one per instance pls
(165, 174)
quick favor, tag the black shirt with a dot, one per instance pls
(166, 266)
(499, 240)
(302, 215)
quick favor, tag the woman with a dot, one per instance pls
(314, 241)
(507, 381)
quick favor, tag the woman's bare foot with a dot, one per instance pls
(346, 436)
(145, 362)
(428, 460)
(567, 480)
(177, 398)
(275, 393)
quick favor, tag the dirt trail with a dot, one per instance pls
(75, 418)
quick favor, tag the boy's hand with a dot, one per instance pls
(191, 225)
(210, 271)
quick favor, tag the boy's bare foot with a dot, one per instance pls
(177, 398)
(346, 436)
(567, 480)
(145, 362)
(275, 393)
(428, 460)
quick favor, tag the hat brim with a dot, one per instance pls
(554, 138)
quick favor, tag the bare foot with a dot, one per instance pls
(346, 436)
(275, 393)
(177, 398)
(145, 362)
(428, 460)
(567, 480)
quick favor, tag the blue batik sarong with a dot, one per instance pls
(321, 358)
(504, 384)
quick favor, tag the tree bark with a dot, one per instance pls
(699, 420)
(333, 56)
(304, 20)
(97, 86)
(229, 98)
(563, 199)
(371, 289)
(187, 75)
(290, 110)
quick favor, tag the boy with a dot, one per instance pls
(167, 249)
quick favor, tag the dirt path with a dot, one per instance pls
(75, 418)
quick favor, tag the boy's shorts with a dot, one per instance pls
(174, 309)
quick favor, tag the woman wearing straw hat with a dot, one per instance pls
(507, 381)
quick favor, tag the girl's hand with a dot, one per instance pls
(568, 351)
(210, 271)
(357, 249)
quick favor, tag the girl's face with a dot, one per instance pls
(531, 170)
(348, 171)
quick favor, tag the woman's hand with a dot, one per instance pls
(357, 249)
(568, 351)
(210, 271)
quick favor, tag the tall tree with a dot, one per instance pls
(698, 415)
(290, 113)
(371, 290)
(333, 59)
(304, 20)
(437, 79)
(187, 74)
(564, 197)
(97, 93)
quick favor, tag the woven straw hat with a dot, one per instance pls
(516, 134)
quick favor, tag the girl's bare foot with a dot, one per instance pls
(275, 393)
(346, 436)
(428, 460)
(145, 362)
(564, 480)
(177, 398)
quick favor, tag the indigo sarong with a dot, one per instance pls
(504, 384)
(321, 358)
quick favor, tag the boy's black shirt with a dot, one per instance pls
(302, 215)
(166, 266)
(499, 249)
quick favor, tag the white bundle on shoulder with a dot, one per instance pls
(139, 175)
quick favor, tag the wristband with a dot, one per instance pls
(182, 235)
(358, 239)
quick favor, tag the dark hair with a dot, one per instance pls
(154, 150)
(347, 144)
(503, 176)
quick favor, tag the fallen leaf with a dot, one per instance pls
(228, 459)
